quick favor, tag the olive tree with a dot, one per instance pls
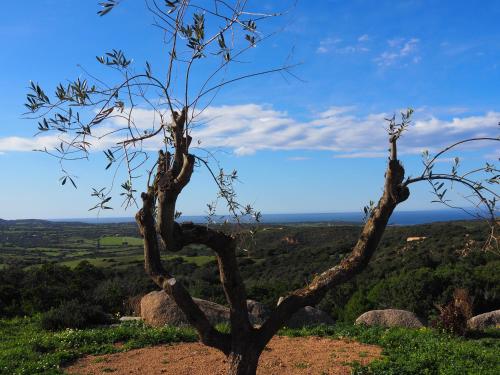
(210, 36)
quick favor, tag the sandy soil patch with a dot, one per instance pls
(283, 355)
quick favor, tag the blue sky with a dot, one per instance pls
(314, 144)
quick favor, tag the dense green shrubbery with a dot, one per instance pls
(412, 277)
(60, 291)
(74, 314)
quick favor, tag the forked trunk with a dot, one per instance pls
(244, 363)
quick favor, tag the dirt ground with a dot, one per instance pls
(283, 355)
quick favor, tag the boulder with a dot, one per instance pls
(159, 309)
(487, 320)
(309, 316)
(390, 318)
(258, 312)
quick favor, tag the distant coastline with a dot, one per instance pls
(398, 218)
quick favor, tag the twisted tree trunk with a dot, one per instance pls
(244, 361)
(244, 345)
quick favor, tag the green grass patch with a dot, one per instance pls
(125, 260)
(26, 349)
(121, 241)
(424, 351)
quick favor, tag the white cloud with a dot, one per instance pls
(400, 50)
(298, 158)
(364, 38)
(249, 128)
(327, 44)
(246, 129)
(355, 155)
(27, 144)
(335, 45)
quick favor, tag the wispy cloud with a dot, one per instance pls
(337, 45)
(249, 128)
(327, 44)
(298, 158)
(364, 38)
(400, 51)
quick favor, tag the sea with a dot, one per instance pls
(398, 218)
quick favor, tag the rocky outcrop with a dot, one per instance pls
(390, 318)
(158, 309)
(487, 320)
(309, 316)
(289, 240)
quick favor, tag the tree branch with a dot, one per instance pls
(394, 193)
(208, 334)
(234, 288)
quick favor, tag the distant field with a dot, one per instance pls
(121, 241)
(125, 261)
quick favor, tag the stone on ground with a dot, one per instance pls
(487, 320)
(390, 318)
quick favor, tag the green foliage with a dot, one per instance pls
(73, 314)
(120, 241)
(413, 276)
(424, 351)
(26, 349)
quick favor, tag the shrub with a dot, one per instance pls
(453, 317)
(132, 305)
(74, 314)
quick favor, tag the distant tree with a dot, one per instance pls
(210, 36)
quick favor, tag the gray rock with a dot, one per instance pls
(258, 312)
(390, 318)
(487, 320)
(309, 316)
(159, 309)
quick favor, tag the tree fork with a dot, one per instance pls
(152, 261)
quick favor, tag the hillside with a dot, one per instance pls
(411, 275)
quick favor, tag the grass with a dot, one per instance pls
(118, 241)
(26, 349)
(98, 262)
(126, 260)
(423, 351)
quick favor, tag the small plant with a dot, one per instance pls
(453, 316)
(302, 365)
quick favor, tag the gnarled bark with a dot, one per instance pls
(245, 343)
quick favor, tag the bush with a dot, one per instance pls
(74, 314)
(453, 317)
